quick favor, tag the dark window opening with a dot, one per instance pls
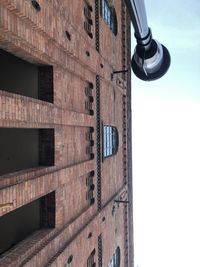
(89, 98)
(110, 141)
(89, 106)
(89, 235)
(88, 23)
(68, 35)
(70, 259)
(115, 261)
(36, 5)
(88, 29)
(25, 149)
(91, 260)
(21, 77)
(87, 53)
(17, 225)
(90, 188)
(108, 14)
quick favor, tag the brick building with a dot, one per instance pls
(65, 131)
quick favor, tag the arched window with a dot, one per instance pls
(108, 14)
(115, 261)
(110, 140)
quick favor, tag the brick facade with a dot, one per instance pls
(77, 95)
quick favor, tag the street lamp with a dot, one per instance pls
(151, 59)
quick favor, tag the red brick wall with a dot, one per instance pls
(39, 37)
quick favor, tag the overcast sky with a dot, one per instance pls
(166, 143)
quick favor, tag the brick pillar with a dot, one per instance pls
(46, 147)
(45, 83)
(47, 211)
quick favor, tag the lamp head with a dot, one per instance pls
(150, 62)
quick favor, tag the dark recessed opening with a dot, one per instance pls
(21, 77)
(117, 256)
(89, 107)
(101, 65)
(91, 85)
(103, 219)
(70, 259)
(91, 99)
(91, 112)
(92, 173)
(91, 129)
(90, 21)
(113, 210)
(68, 35)
(90, 8)
(25, 148)
(90, 235)
(91, 259)
(90, 34)
(91, 142)
(89, 180)
(87, 53)
(92, 156)
(88, 29)
(36, 5)
(16, 225)
(92, 200)
(92, 187)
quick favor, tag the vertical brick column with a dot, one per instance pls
(45, 83)
(47, 211)
(46, 147)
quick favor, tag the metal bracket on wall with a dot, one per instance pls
(118, 71)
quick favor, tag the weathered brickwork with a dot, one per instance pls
(77, 95)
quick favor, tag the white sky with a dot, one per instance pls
(166, 143)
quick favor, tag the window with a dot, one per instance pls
(110, 140)
(25, 148)
(91, 259)
(19, 224)
(88, 23)
(24, 78)
(109, 16)
(90, 188)
(89, 98)
(115, 261)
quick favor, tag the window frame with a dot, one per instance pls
(110, 141)
(109, 16)
(116, 258)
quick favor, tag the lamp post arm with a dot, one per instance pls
(151, 59)
(138, 17)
